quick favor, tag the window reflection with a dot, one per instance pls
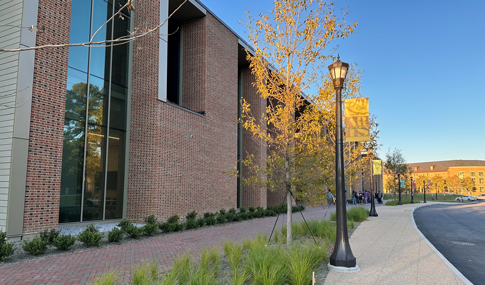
(115, 175)
(72, 171)
(94, 182)
(98, 101)
(80, 30)
(94, 170)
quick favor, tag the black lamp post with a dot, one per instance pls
(373, 190)
(424, 189)
(412, 195)
(362, 180)
(436, 186)
(342, 254)
(399, 186)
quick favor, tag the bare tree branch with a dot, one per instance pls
(120, 40)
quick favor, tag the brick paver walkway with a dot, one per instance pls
(82, 267)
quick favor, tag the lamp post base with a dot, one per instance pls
(343, 269)
(373, 213)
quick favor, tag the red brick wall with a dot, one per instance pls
(41, 208)
(252, 195)
(178, 158)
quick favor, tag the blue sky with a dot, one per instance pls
(423, 64)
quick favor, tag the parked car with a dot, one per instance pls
(481, 197)
(466, 198)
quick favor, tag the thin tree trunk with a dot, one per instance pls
(288, 205)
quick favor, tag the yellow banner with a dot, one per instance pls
(357, 120)
(377, 167)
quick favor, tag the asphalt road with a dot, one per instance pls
(458, 232)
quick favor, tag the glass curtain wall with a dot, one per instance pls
(95, 117)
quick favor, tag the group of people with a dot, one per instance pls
(357, 198)
(360, 198)
(364, 197)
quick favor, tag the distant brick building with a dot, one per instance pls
(98, 133)
(475, 169)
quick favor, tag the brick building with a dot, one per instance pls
(475, 169)
(90, 134)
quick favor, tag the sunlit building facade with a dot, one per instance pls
(121, 129)
(473, 169)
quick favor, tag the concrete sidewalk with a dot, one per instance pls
(390, 250)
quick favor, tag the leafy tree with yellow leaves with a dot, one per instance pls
(287, 63)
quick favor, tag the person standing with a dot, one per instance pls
(330, 198)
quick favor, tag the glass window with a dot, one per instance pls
(98, 101)
(472, 174)
(461, 174)
(96, 82)
(115, 175)
(480, 173)
(480, 180)
(94, 181)
(72, 171)
(80, 30)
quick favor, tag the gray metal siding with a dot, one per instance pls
(10, 32)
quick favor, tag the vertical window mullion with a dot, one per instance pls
(108, 115)
(87, 113)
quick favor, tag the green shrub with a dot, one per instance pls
(6, 248)
(242, 210)
(209, 214)
(200, 222)
(90, 236)
(221, 219)
(222, 211)
(271, 213)
(357, 214)
(49, 236)
(190, 224)
(149, 229)
(210, 221)
(243, 215)
(124, 224)
(35, 246)
(192, 215)
(230, 217)
(178, 227)
(232, 211)
(173, 219)
(258, 214)
(150, 220)
(115, 235)
(167, 227)
(298, 208)
(134, 232)
(252, 209)
(64, 242)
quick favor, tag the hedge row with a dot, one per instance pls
(92, 237)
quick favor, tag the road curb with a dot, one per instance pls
(451, 266)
